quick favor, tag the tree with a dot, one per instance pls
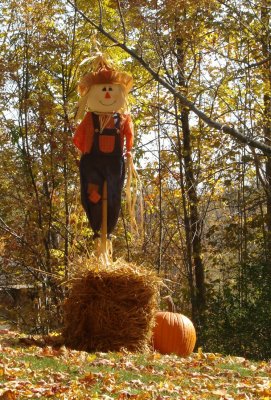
(221, 127)
(38, 181)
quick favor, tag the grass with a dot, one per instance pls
(33, 372)
(239, 370)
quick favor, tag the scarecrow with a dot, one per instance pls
(111, 305)
(106, 129)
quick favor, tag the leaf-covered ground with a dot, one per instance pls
(28, 371)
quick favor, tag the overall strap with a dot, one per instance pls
(96, 122)
(116, 117)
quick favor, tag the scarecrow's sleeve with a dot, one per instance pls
(84, 134)
(128, 130)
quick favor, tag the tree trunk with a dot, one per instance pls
(266, 48)
(187, 225)
(192, 223)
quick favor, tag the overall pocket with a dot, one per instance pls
(106, 143)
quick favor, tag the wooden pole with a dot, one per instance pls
(104, 220)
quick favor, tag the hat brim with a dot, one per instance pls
(105, 76)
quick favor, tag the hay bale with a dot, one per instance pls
(111, 308)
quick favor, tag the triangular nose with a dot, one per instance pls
(107, 95)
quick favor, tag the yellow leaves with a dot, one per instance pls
(95, 395)
(207, 356)
(156, 356)
(220, 392)
(60, 373)
(91, 358)
(200, 353)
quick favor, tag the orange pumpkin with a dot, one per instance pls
(173, 333)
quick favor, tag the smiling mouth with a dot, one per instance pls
(107, 104)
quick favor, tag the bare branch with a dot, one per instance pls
(100, 10)
(122, 21)
(257, 64)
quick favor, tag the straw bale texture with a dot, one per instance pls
(111, 308)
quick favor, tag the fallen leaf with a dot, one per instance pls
(8, 395)
(219, 392)
(91, 358)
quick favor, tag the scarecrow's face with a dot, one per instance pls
(105, 98)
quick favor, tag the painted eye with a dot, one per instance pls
(104, 89)
(110, 89)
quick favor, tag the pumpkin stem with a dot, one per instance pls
(170, 303)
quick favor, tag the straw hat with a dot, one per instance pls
(103, 73)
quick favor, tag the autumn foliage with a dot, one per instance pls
(34, 371)
(201, 109)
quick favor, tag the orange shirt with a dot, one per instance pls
(83, 137)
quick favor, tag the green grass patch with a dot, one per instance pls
(32, 372)
(238, 369)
